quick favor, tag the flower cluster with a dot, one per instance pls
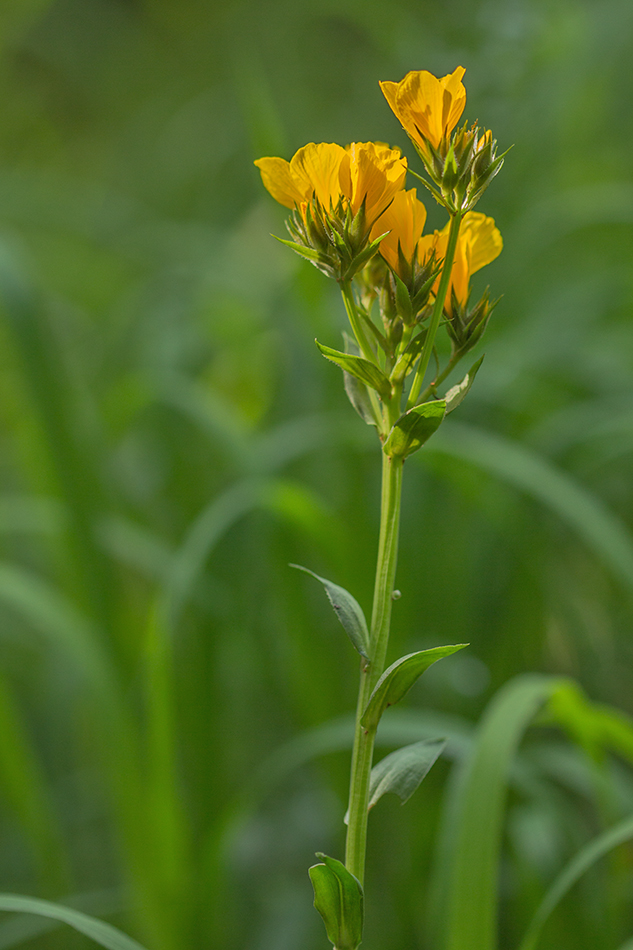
(353, 218)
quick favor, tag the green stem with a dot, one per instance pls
(370, 672)
(450, 366)
(438, 307)
(354, 319)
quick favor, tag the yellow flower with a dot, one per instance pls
(372, 173)
(312, 172)
(364, 171)
(478, 244)
(428, 108)
(404, 220)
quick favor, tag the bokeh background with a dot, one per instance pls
(170, 439)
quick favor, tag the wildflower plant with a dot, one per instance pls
(353, 219)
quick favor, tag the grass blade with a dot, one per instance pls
(583, 512)
(471, 912)
(104, 934)
(574, 870)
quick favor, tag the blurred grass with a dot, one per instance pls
(171, 439)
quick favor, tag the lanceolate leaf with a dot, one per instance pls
(398, 679)
(456, 394)
(338, 897)
(104, 934)
(413, 428)
(309, 253)
(402, 771)
(348, 611)
(364, 370)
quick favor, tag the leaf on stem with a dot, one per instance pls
(338, 897)
(398, 679)
(348, 611)
(414, 428)
(402, 771)
(360, 368)
(456, 394)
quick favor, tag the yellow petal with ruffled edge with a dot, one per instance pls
(428, 107)
(281, 183)
(373, 173)
(316, 168)
(404, 219)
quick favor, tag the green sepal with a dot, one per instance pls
(402, 771)
(348, 611)
(363, 257)
(356, 391)
(360, 368)
(398, 679)
(315, 257)
(413, 429)
(338, 897)
(456, 394)
(404, 308)
(427, 184)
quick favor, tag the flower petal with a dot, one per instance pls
(280, 182)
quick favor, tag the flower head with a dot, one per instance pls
(428, 108)
(337, 194)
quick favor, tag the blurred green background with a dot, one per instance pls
(171, 439)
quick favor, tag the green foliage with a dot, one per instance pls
(175, 722)
(361, 368)
(414, 428)
(398, 679)
(402, 771)
(338, 897)
(103, 934)
(348, 611)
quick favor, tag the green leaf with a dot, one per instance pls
(413, 428)
(338, 897)
(579, 864)
(403, 770)
(348, 611)
(582, 510)
(104, 934)
(364, 370)
(456, 394)
(398, 679)
(467, 896)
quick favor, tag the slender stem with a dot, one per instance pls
(453, 234)
(361, 338)
(450, 366)
(354, 319)
(370, 672)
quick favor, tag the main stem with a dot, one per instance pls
(370, 672)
